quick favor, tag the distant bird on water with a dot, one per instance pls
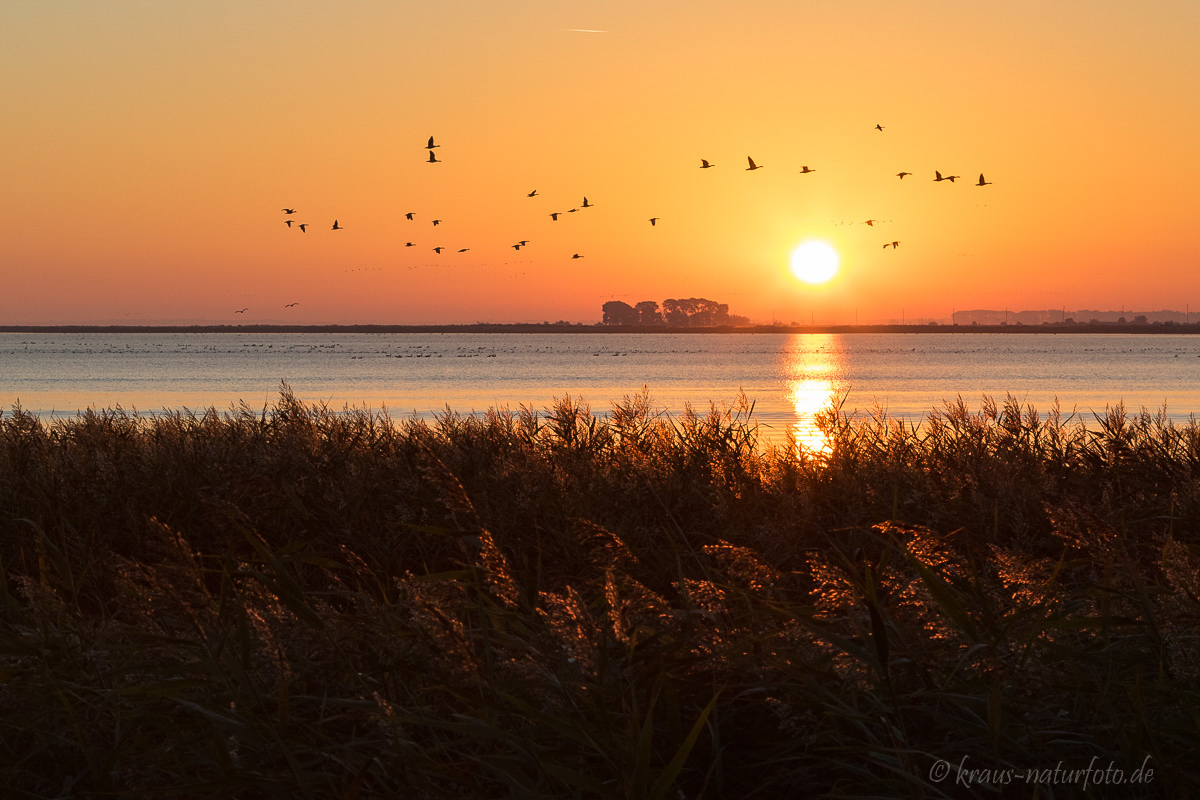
(433, 159)
(336, 227)
(982, 182)
(901, 175)
(288, 210)
(752, 166)
(653, 221)
(303, 226)
(705, 165)
(806, 170)
(431, 145)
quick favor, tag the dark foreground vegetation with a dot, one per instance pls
(302, 603)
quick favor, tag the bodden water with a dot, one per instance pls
(788, 376)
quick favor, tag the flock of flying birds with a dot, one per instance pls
(554, 215)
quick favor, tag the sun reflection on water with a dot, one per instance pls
(814, 369)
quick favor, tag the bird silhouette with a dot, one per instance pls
(938, 177)
(288, 210)
(901, 175)
(303, 226)
(982, 182)
(892, 245)
(879, 127)
(287, 222)
(806, 170)
(705, 165)
(532, 194)
(291, 305)
(554, 215)
(437, 222)
(409, 215)
(586, 204)
(409, 244)
(572, 210)
(577, 256)
(653, 221)
(752, 166)
(431, 145)
(465, 249)
(516, 246)
(523, 242)
(242, 311)
(336, 227)
(952, 178)
(433, 159)
(438, 250)
(870, 222)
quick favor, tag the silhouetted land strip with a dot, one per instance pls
(301, 602)
(1101, 328)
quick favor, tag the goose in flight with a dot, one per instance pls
(577, 256)
(288, 222)
(752, 166)
(431, 145)
(409, 215)
(806, 170)
(242, 311)
(532, 194)
(291, 305)
(554, 215)
(892, 245)
(465, 249)
(653, 221)
(436, 221)
(438, 250)
(938, 177)
(409, 244)
(901, 175)
(433, 159)
(523, 242)
(336, 227)
(516, 246)
(870, 222)
(303, 226)
(586, 204)
(982, 182)
(878, 127)
(705, 165)
(288, 210)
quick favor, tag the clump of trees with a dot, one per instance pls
(688, 313)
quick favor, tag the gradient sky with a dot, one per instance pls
(149, 147)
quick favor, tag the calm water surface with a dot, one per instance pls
(788, 376)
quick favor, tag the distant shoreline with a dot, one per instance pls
(1101, 328)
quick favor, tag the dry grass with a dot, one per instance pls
(302, 603)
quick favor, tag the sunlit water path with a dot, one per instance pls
(789, 377)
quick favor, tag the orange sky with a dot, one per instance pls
(149, 147)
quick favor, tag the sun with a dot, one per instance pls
(814, 261)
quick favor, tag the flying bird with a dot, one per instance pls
(288, 210)
(901, 175)
(653, 221)
(436, 221)
(705, 165)
(287, 222)
(554, 215)
(982, 182)
(523, 242)
(532, 194)
(877, 127)
(572, 210)
(465, 249)
(870, 222)
(431, 145)
(290, 305)
(409, 215)
(336, 227)
(438, 250)
(242, 311)
(409, 244)
(516, 246)
(577, 256)
(432, 159)
(303, 226)
(892, 245)
(752, 166)
(938, 177)
(806, 170)
(586, 204)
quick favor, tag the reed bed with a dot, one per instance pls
(302, 602)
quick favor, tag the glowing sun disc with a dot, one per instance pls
(814, 262)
